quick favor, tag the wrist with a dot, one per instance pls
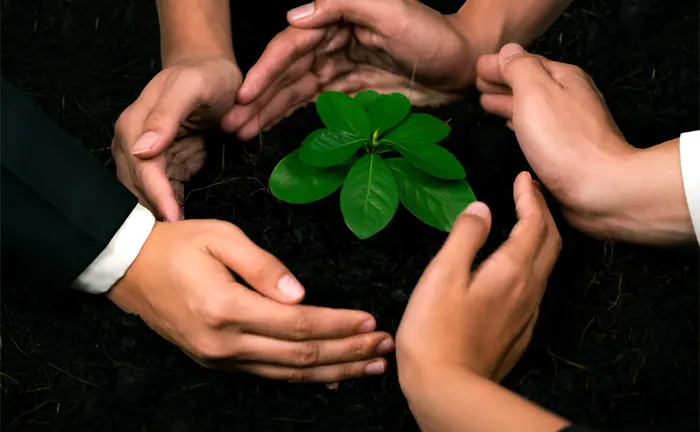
(491, 24)
(125, 292)
(638, 199)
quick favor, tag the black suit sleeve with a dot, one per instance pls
(60, 205)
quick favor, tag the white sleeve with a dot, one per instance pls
(111, 264)
(690, 171)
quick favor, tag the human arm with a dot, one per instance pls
(66, 218)
(464, 330)
(194, 28)
(60, 207)
(607, 187)
(490, 24)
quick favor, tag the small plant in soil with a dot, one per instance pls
(379, 154)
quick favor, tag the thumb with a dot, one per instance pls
(468, 235)
(518, 68)
(321, 13)
(176, 104)
(259, 268)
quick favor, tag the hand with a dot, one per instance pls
(463, 328)
(387, 46)
(157, 145)
(182, 287)
(478, 322)
(578, 152)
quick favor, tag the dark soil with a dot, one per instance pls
(617, 342)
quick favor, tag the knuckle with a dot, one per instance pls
(307, 354)
(207, 347)
(524, 61)
(214, 313)
(297, 375)
(358, 348)
(302, 327)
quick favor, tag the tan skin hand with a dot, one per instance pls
(561, 121)
(387, 46)
(182, 286)
(482, 319)
(461, 322)
(573, 144)
(158, 144)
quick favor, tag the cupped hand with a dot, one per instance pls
(157, 142)
(562, 124)
(182, 286)
(478, 322)
(350, 46)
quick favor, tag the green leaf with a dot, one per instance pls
(420, 127)
(435, 202)
(296, 182)
(387, 111)
(339, 111)
(369, 197)
(365, 98)
(326, 147)
(431, 158)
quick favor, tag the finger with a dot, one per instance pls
(498, 104)
(467, 236)
(451, 266)
(263, 272)
(324, 12)
(157, 189)
(296, 82)
(488, 87)
(261, 316)
(254, 348)
(175, 105)
(551, 248)
(514, 67)
(301, 92)
(517, 254)
(321, 374)
(287, 47)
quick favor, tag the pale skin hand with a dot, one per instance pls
(157, 145)
(578, 152)
(463, 329)
(387, 46)
(181, 285)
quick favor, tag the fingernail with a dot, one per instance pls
(478, 209)
(375, 368)
(527, 173)
(511, 49)
(301, 12)
(333, 386)
(145, 143)
(290, 287)
(385, 347)
(368, 326)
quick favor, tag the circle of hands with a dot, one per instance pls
(351, 46)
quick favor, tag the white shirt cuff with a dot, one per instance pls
(690, 171)
(111, 264)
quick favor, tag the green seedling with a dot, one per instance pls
(379, 154)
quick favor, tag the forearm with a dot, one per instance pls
(494, 23)
(194, 27)
(60, 206)
(645, 200)
(461, 401)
